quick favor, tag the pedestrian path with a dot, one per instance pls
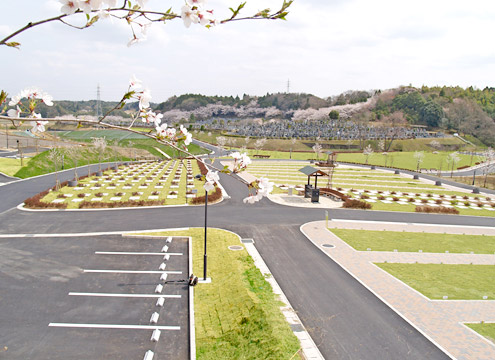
(440, 321)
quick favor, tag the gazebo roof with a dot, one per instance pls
(311, 171)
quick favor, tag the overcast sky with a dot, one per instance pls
(324, 48)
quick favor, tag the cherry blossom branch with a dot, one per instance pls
(192, 12)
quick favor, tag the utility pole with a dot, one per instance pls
(7, 134)
(20, 152)
(99, 112)
(288, 86)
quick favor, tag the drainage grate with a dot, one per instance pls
(247, 241)
(328, 245)
(235, 247)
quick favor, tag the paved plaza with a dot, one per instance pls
(440, 320)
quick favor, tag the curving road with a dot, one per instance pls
(345, 320)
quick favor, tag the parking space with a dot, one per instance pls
(93, 297)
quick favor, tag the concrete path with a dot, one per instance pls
(440, 321)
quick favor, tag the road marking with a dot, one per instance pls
(110, 326)
(132, 253)
(132, 271)
(125, 295)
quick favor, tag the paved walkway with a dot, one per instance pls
(440, 321)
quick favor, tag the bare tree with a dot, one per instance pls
(453, 158)
(56, 156)
(419, 156)
(368, 151)
(100, 145)
(74, 152)
(258, 144)
(221, 141)
(317, 148)
(394, 122)
(489, 155)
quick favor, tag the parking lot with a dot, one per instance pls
(93, 297)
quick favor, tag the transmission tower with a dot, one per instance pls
(99, 112)
(288, 86)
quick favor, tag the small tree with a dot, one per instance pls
(367, 152)
(56, 156)
(453, 158)
(74, 152)
(419, 156)
(489, 155)
(334, 115)
(258, 144)
(100, 145)
(317, 148)
(221, 141)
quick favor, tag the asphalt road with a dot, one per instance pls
(345, 319)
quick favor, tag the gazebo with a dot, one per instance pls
(311, 171)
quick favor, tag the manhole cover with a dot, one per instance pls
(235, 247)
(328, 245)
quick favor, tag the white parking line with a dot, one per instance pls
(132, 253)
(131, 272)
(110, 326)
(125, 295)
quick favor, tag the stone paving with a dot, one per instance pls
(439, 320)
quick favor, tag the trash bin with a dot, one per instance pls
(307, 190)
(315, 195)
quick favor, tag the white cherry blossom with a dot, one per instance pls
(209, 186)
(110, 3)
(69, 6)
(189, 16)
(47, 99)
(198, 3)
(212, 176)
(161, 130)
(151, 116)
(135, 83)
(38, 126)
(87, 6)
(14, 112)
(144, 99)
(141, 2)
(16, 99)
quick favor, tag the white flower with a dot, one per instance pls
(141, 2)
(197, 3)
(69, 6)
(134, 82)
(104, 14)
(170, 133)
(204, 18)
(47, 99)
(265, 187)
(151, 116)
(38, 126)
(110, 3)
(209, 186)
(187, 135)
(15, 100)
(134, 40)
(251, 199)
(14, 112)
(87, 6)
(144, 99)
(189, 16)
(161, 130)
(212, 176)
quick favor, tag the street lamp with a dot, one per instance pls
(206, 217)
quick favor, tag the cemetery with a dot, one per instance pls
(170, 182)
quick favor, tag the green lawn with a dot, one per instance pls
(486, 330)
(237, 316)
(12, 166)
(412, 242)
(458, 282)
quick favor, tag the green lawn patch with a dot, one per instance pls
(413, 242)
(12, 166)
(486, 330)
(237, 316)
(458, 282)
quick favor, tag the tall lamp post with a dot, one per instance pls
(206, 219)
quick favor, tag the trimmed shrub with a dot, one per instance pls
(356, 204)
(436, 209)
(116, 204)
(364, 196)
(216, 195)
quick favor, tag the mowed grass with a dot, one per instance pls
(486, 330)
(237, 315)
(12, 166)
(413, 242)
(458, 282)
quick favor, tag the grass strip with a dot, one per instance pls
(486, 330)
(11, 166)
(458, 282)
(237, 316)
(413, 241)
